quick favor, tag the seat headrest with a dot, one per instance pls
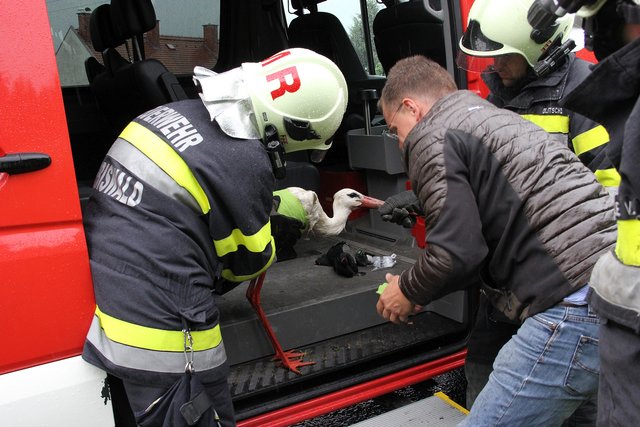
(133, 17)
(311, 5)
(104, 35)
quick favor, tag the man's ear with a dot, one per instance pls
(421, 108)
(413, 107)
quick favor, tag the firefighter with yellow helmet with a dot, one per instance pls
(529, 71)
(180, 211)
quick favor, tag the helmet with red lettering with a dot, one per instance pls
(302, 94)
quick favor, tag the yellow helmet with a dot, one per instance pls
(500, 27)
(301, 93)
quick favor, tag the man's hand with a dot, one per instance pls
(393, 305)
(401, 209)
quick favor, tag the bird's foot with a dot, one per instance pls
(292, 360)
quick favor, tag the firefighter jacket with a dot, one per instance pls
(177, 209)
(616, 279)
(506, 200)
(538, 101)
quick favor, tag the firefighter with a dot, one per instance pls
(529, 73)
(180, 211)
(614, 33)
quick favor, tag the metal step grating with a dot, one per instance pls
(437, 410)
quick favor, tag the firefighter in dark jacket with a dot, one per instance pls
(515, 69)
(614, 32)
(181, 210)
(505, 201)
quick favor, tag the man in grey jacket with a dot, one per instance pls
(504, 202)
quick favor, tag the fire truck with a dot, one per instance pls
(68, 82)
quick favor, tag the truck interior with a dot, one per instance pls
(120, 58)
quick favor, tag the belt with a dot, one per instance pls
(572, 304)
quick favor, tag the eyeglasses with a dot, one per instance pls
(392, 131)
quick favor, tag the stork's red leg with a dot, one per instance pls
(290, 359)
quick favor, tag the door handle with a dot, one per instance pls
(16, 163)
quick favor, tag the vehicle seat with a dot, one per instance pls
(105, 40)
(405, 29)
(323, 33)
(126, 89)
(263, 34)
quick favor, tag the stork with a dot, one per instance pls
(317, 223)
(344, 202)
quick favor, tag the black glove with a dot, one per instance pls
(363, 258)
(286, 231)
(401, 209)
(340, 258)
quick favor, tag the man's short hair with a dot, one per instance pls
(416, 77)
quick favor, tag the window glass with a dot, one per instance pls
(183, 38)
(349, 14)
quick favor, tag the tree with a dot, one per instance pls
(356, 34)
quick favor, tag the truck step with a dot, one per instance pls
(437, 410)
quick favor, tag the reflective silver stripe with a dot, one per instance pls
(149, 360)
(136, 162)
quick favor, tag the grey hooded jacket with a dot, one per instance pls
(504, 201)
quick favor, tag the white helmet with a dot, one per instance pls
(500, 27)
(300, 92)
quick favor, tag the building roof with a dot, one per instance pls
(179, 54)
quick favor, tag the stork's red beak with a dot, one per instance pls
(371, 202)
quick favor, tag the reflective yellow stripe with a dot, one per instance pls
(228, 274)
(254, 243)
(550, 123)
(628, 244)
(590, 139)
(155, 339)
(608, 177)
(167, 159)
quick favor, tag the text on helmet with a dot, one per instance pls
(281, 76)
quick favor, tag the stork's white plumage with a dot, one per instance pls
(345, 201)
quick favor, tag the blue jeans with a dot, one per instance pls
(544, 373)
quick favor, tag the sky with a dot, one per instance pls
(343, 9)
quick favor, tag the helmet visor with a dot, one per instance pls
(475, 40)
(476, 64)
(477, 51)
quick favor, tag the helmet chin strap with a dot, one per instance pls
(275, 150)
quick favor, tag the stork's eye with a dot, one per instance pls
(353, 195)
